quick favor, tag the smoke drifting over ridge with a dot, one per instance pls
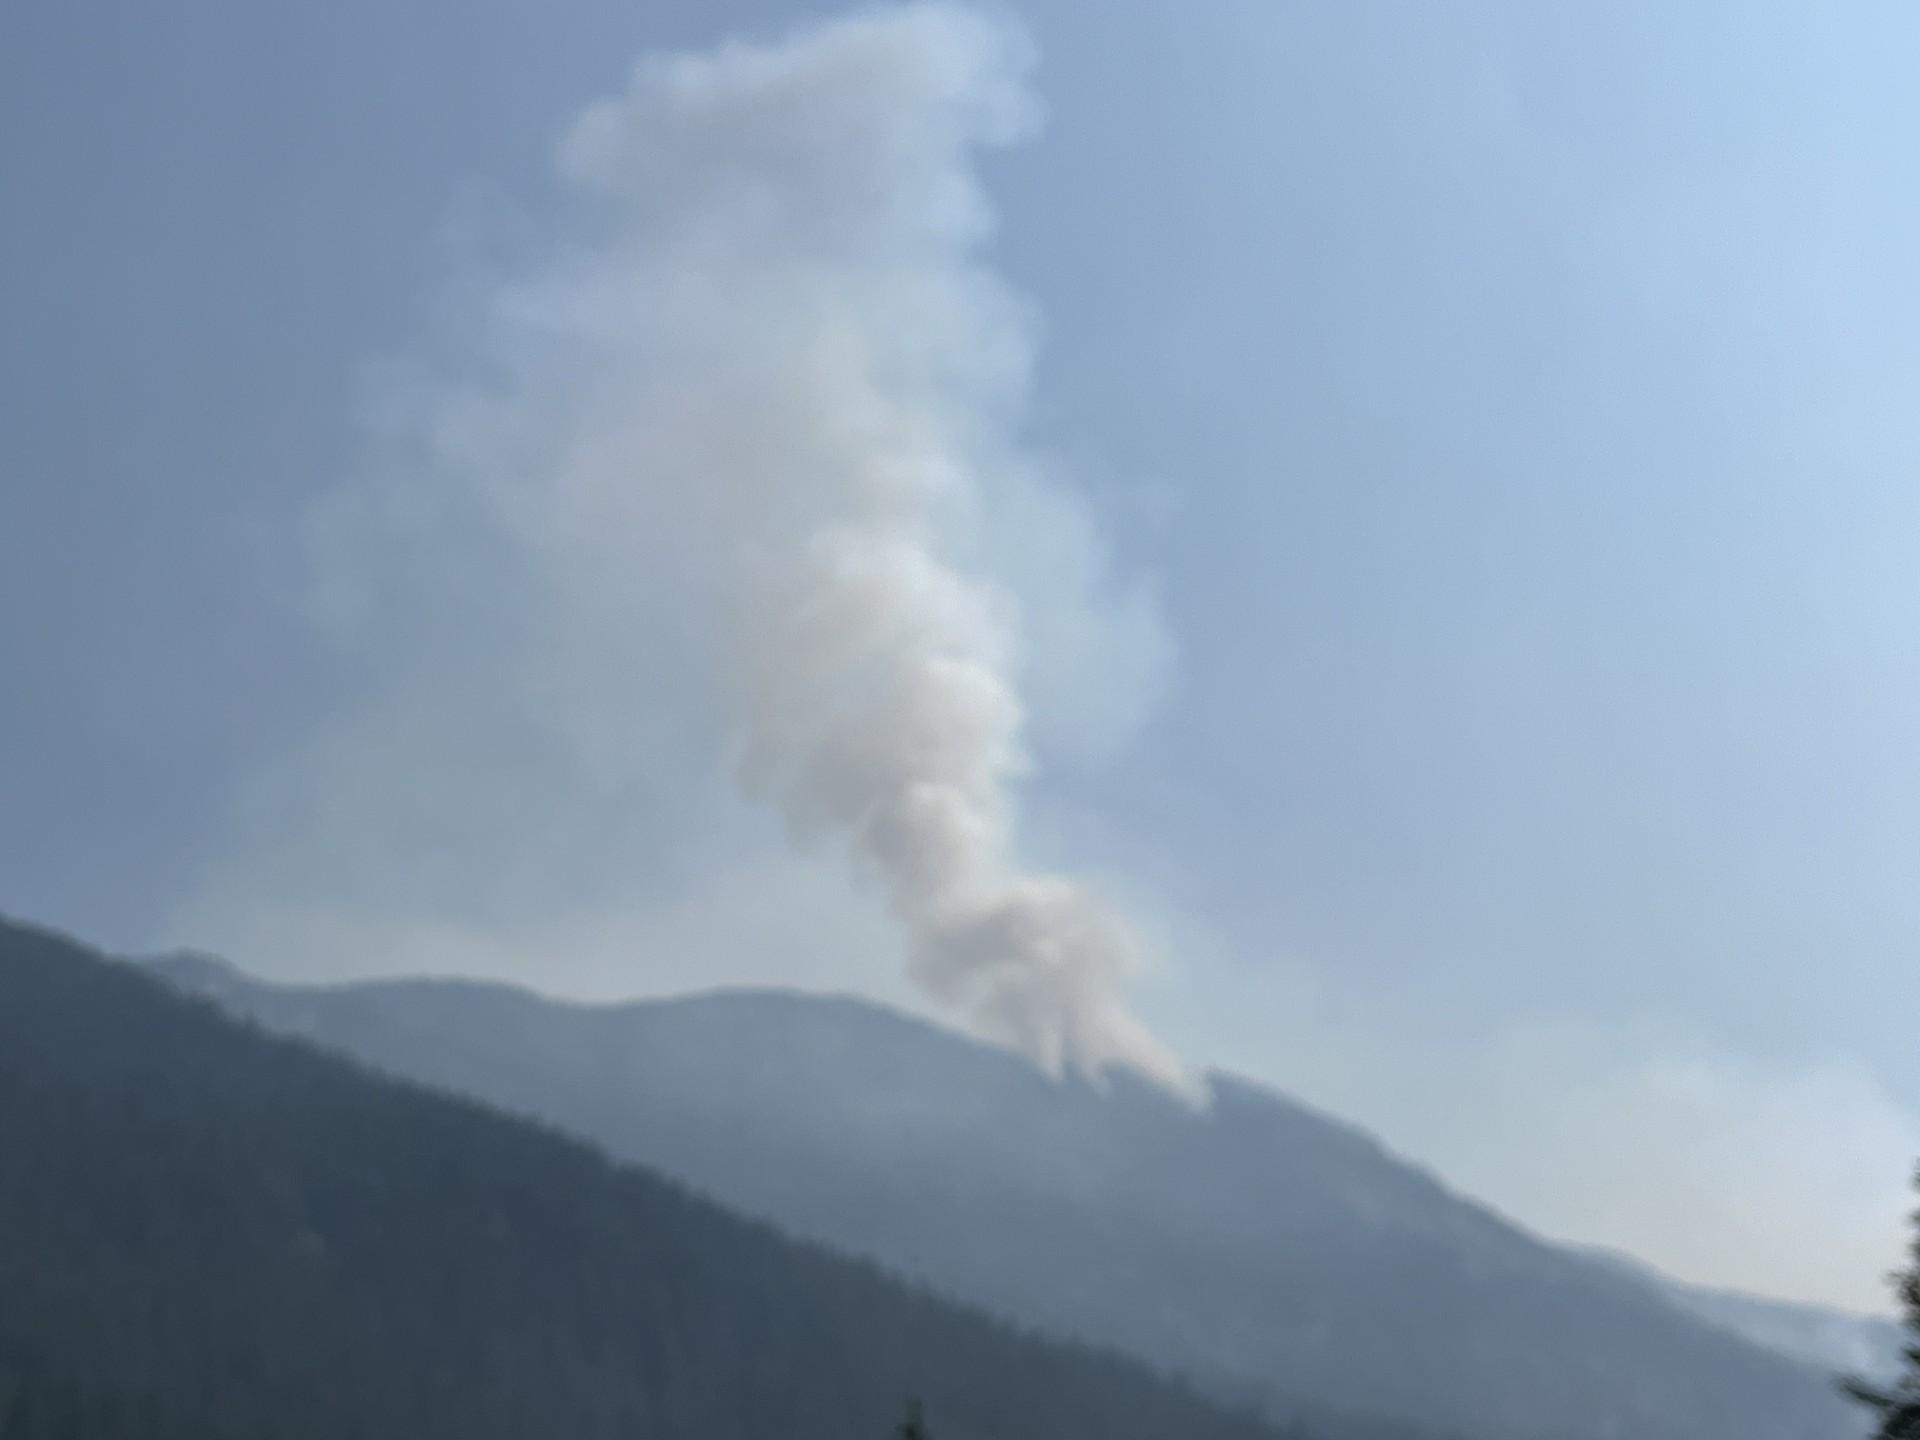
(754, 419)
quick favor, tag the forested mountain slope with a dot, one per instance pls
(1268, 1252)
(207, 1231)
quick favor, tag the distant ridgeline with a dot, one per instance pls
(1272, 1255)
(207, 1233)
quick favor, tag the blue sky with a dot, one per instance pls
(1507, 407)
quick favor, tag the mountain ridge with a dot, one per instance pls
(215, 1232)
(1871, 1346)
(1261, 1249)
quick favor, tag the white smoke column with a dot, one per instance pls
(830, 389)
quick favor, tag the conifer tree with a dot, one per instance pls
(1898, 1405)
(914, 1427)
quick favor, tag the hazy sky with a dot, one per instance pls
(1471, 618)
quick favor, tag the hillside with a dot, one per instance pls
(1266, 1251)
(1871, 1346)
(212, 1232)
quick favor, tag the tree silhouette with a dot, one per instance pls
(1898, 1405)
(914, 1427)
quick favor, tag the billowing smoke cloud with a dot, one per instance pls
(800, 226)
(761, 409)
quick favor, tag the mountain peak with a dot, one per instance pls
(1264, 1251)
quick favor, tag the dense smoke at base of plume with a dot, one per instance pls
(737, 447)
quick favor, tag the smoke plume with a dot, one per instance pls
(801, 223)
(761, 405)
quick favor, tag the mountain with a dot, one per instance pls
(1268, 1252)
(1835, 1341)
(213, 1232)
(1832, 1340)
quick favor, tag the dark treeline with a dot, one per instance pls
(211, 1233)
